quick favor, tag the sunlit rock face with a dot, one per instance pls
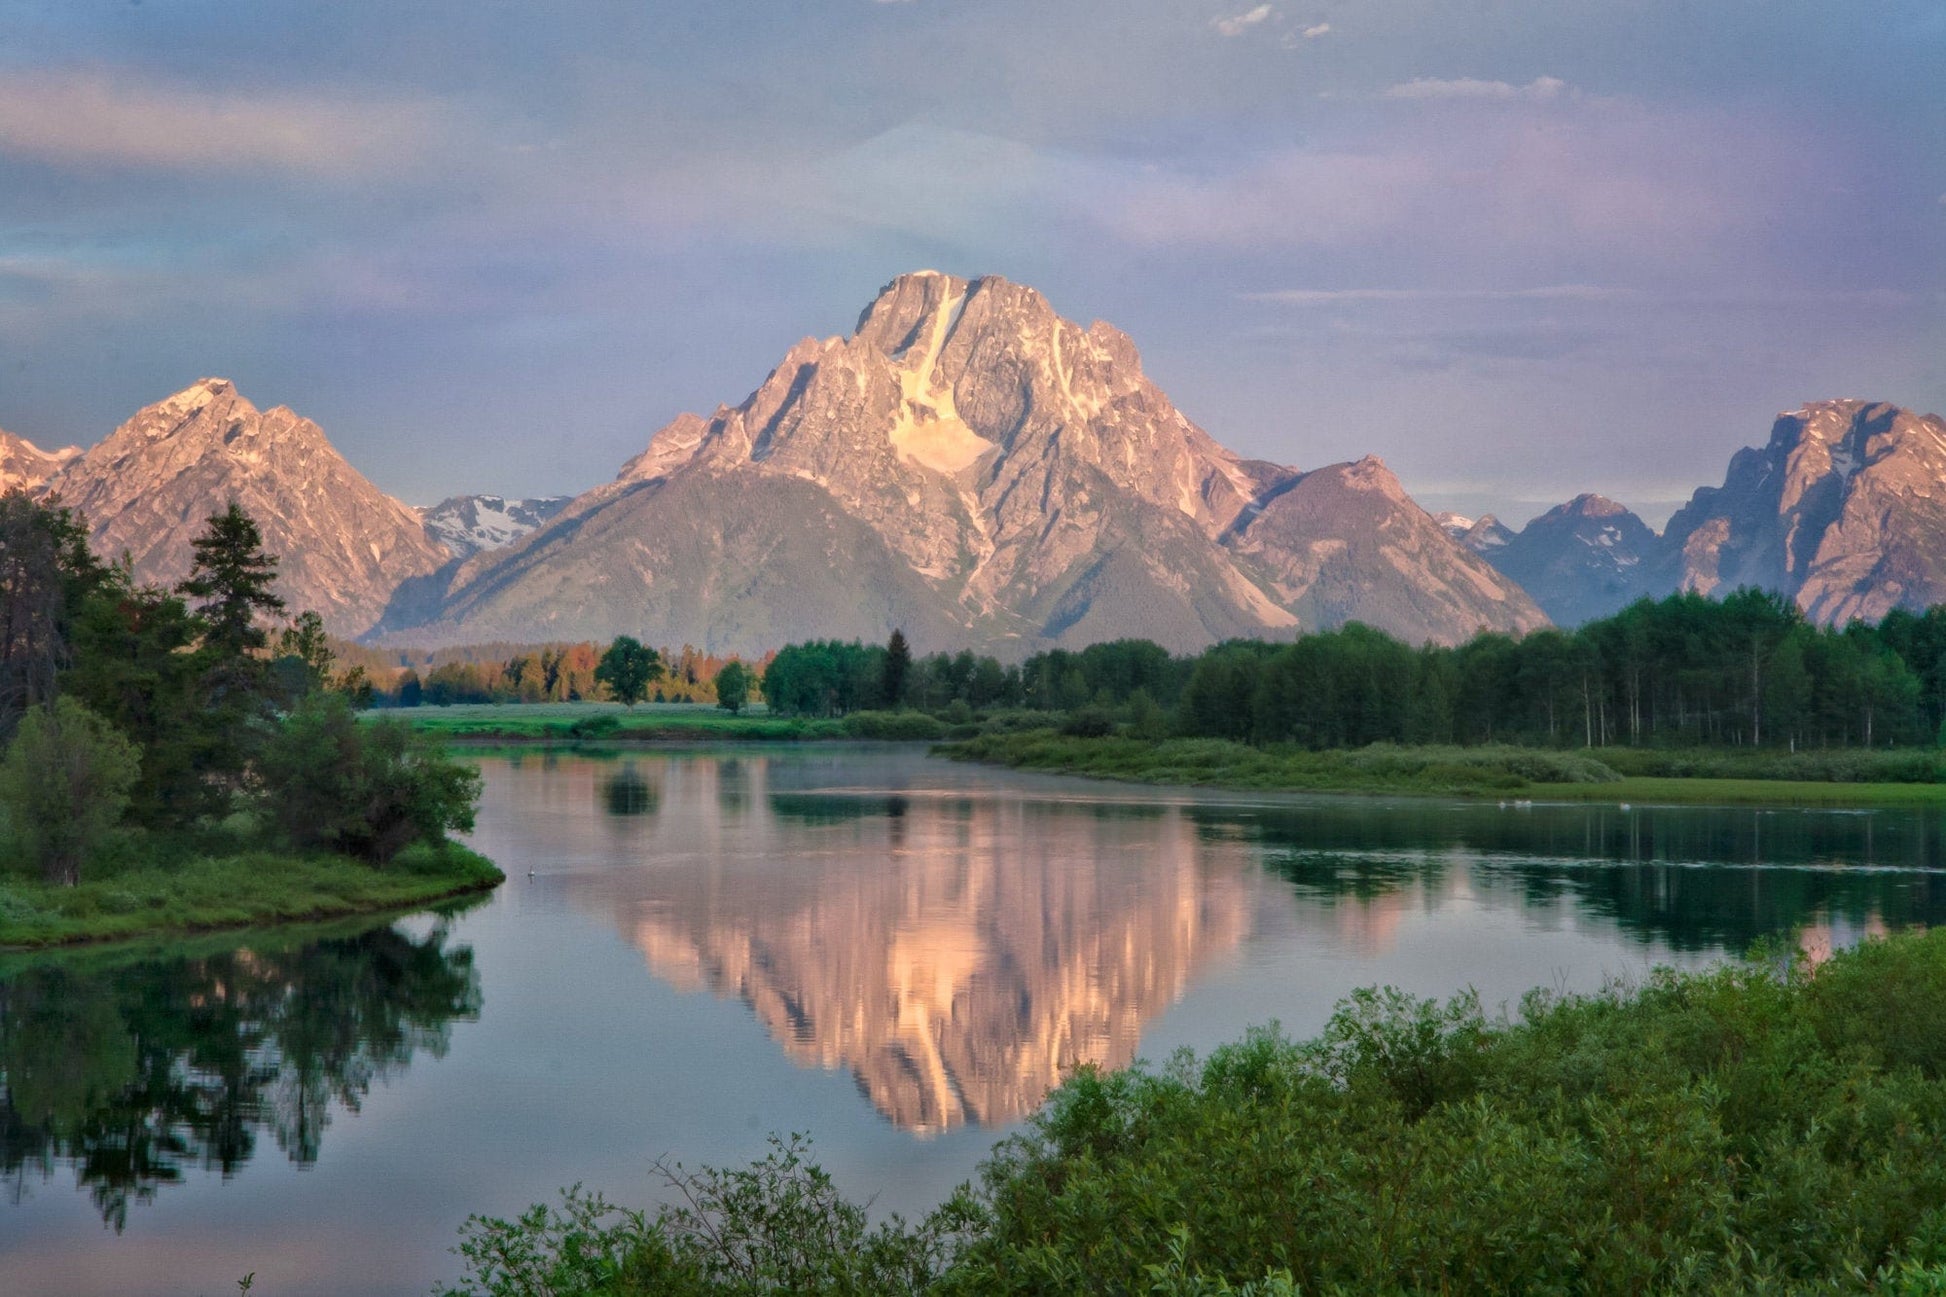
(958, 978)
(148, 489)
(1844, 510)
(970, 464)
(26, 467)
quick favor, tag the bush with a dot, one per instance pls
(1761, 1127)
(906, 727)
(365, 789)
(1088, 723)
(65, 783)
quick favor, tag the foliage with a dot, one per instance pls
(895, 671)
(733, 687)
(65, 783)
(777, 1226)
(895, 727)
(46, 575)
(231, 578)
(628, 669)
(367, 790)
(824, 678)
(1381, 767)
(1769, 1126)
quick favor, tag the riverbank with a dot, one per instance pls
(470, 724)
(245, 889)
(1487, 771)
(1768, 1126)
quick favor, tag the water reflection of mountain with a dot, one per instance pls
(135, 1073)
(1695, 878)
(958, 954)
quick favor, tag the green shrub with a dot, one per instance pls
(65, 783)
(367, 789)
(1088, 723)
(1764, 1127)
(906, 727)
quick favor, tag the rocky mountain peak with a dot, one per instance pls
(148, 488)
(995, 468)
(1590, 505)
(26, 467)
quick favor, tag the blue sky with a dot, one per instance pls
(1519, 248)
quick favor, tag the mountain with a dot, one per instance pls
(149, 487)
(26, 467)
(1482, 535)
(974, 468)
(1844, 510)
(1581, 560)
(467, 524)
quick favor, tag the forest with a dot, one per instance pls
(1685, 671)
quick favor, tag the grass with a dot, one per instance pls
(1651, 790)
(1615, 775)
(206, 892)
(1493, 770)
(652, 722)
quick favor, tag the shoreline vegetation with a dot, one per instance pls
(170, 767)
(236, 890)
(1770, 1125)
(1849, 779)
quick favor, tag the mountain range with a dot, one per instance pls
(971, 467)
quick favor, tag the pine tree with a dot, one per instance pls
(898, 665)
(231, 579)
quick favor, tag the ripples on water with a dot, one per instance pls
(952, 940)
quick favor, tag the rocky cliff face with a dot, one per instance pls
(467, 524)
(970, 460)
(148, 489)
(1581, 560)
(1844, 510)
(26, 467)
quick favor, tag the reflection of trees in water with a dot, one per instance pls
(1742, 874)
(137, 1073)
(628, 793)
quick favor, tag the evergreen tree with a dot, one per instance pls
(898, 665)
(231, 580)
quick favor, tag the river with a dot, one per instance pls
(895, 954)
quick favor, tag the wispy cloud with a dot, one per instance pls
(1540, 89)
(93, 119)
(1243, 22)
(1543, 293)
(1316, 30)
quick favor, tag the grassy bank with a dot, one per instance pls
(202, 892)
(1221, 764)
(1765, 1127)
(591, 722)
(1849, 779)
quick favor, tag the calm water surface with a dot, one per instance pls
(895, 954)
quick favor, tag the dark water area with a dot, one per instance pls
(898, 955)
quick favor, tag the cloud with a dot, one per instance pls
(1243, 22)
(1539, 90)
(1313, 32)
(1543, 293)
(94, 119)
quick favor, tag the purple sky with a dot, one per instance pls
(1519, 248)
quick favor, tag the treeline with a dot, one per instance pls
(162, 714)
(1747, 670)
(526, 673)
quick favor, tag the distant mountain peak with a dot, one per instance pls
(148, 488)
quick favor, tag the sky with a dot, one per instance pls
(1518, 248)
